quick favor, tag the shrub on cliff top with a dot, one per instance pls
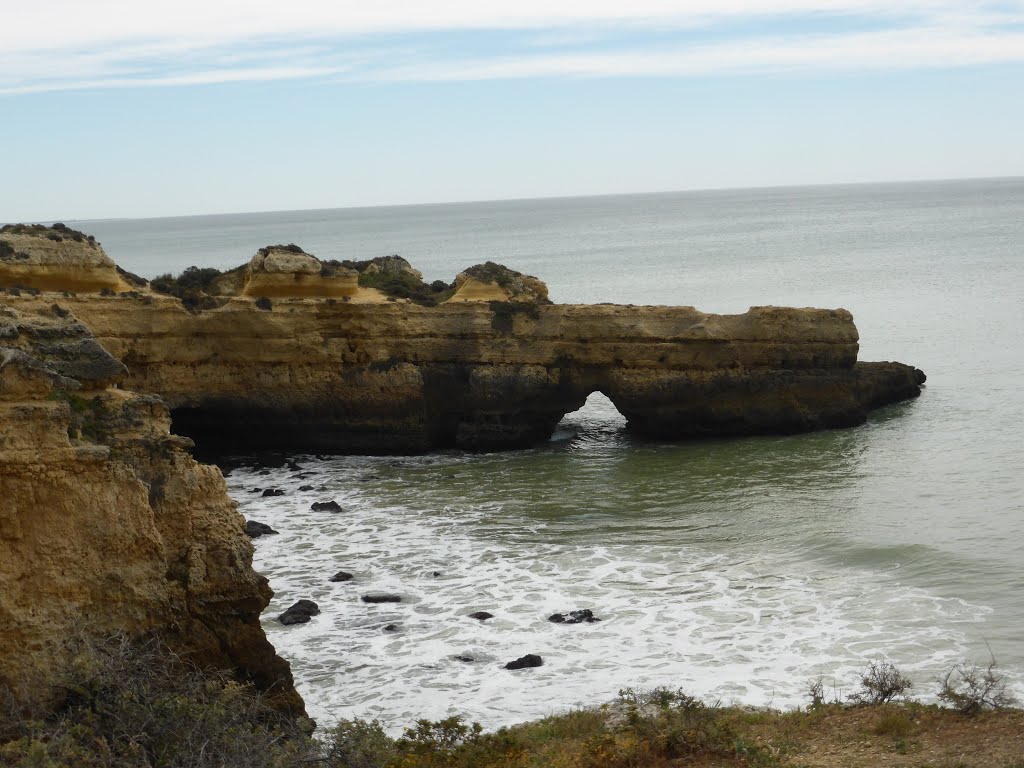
(291, 248)
(881, 682)
(406, 285)
(492, 272)
(57, 232)
(129, 703)
(131, 278)
(971, 689)
(190, 286)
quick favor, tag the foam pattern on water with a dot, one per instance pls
(723, 626)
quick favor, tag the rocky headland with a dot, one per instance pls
(107, 520)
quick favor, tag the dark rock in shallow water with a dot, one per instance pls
(294, 467)
(301, 612)
(391, 628)
(273, 492)
(254, 530)
(574, 617)
(524, 662)
(381, 598)
(326, 506)
(341, 576)
(463, 658)
(481, 615)
(436, 573)
(305, 487)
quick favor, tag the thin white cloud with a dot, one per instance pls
(896, 50)
(57, 24)
(49, 45)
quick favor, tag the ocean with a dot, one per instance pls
(735, 569)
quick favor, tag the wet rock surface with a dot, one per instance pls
(584, 616)
(377, 598)
(526, 662)
(481, 615)
(254, 529)
(300, 612)
(341, 577)
(326, 506)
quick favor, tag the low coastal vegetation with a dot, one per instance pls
(192, 286)
(407, 285)
(117, 702)
(391, 275)
(57, 232)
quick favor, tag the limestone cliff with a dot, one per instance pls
(55, 258)
(288, 271)
(319, 374)
(106, 521)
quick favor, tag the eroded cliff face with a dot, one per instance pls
(106, 521)
(318, 374)
(292, 352)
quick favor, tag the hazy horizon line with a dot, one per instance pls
(528, 198)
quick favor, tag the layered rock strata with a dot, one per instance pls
(56, 258)
(106, 521)
(391, 377)
(494, 365)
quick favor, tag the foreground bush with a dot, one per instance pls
(135, 705)
(970, 689)
(119, 703)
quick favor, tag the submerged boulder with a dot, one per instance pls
(584, 616)
(375, 598)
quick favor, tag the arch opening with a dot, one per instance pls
(596, 419)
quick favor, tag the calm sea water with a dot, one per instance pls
(736, 569)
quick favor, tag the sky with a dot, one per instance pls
(121, 108)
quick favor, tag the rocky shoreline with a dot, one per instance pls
(106, 519)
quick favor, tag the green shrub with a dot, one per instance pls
(291, 248)
(132, 278)
(405, 285)
(667, 724)
(359, 744)
(191, 287)
(492, 272)
(125, 703)
(894, 722)
(57, 232)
